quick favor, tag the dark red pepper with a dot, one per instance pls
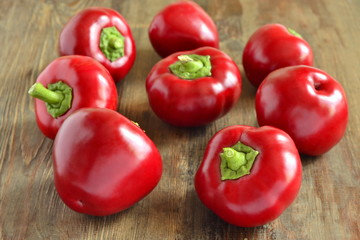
(67, 84)
(271, 47)
(103, 34)
(182, 26)
(193, 88)
(249, 175)
(103, 162)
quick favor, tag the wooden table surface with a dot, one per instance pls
(328, 205)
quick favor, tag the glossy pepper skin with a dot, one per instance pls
(82, 36)
(182, 26)
(271, 184)
(103, 162)
(194, 101)
(271, 47)
(91, 86)
(307, 103)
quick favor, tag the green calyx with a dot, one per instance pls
(112, 43)
(293, 32)
(236, 161)
(57, 97)
(191, 66)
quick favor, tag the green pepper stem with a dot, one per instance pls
(236, 161)
(57, 97)
(293, 32)
(115, 43)
(191, 66)
(40, 92)
(112, 43)
(233, 158)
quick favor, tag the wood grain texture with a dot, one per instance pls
(328, 204)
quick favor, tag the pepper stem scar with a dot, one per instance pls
(112, 43)
(192, 66)
(236, 161)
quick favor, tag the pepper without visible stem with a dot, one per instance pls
(191, 66)
(236, 161)
(57, 97)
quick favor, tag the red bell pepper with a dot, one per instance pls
(193, 88)
(103, 34)
(67, 84)
(271, 47)
(306, 103)
(103, 162)
(249, 175)
(182, 26)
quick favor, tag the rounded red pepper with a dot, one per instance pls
(103, 162)
(306, 103)
(103, 34)
(193, 88)
(67, 84)
(182, 26)
(249, 175)
(271, 47)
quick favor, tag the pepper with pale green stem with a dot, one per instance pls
(248, 175)
(68, 84)
(103, 34)
(57, 97)
(271, 47)
(193, 88)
